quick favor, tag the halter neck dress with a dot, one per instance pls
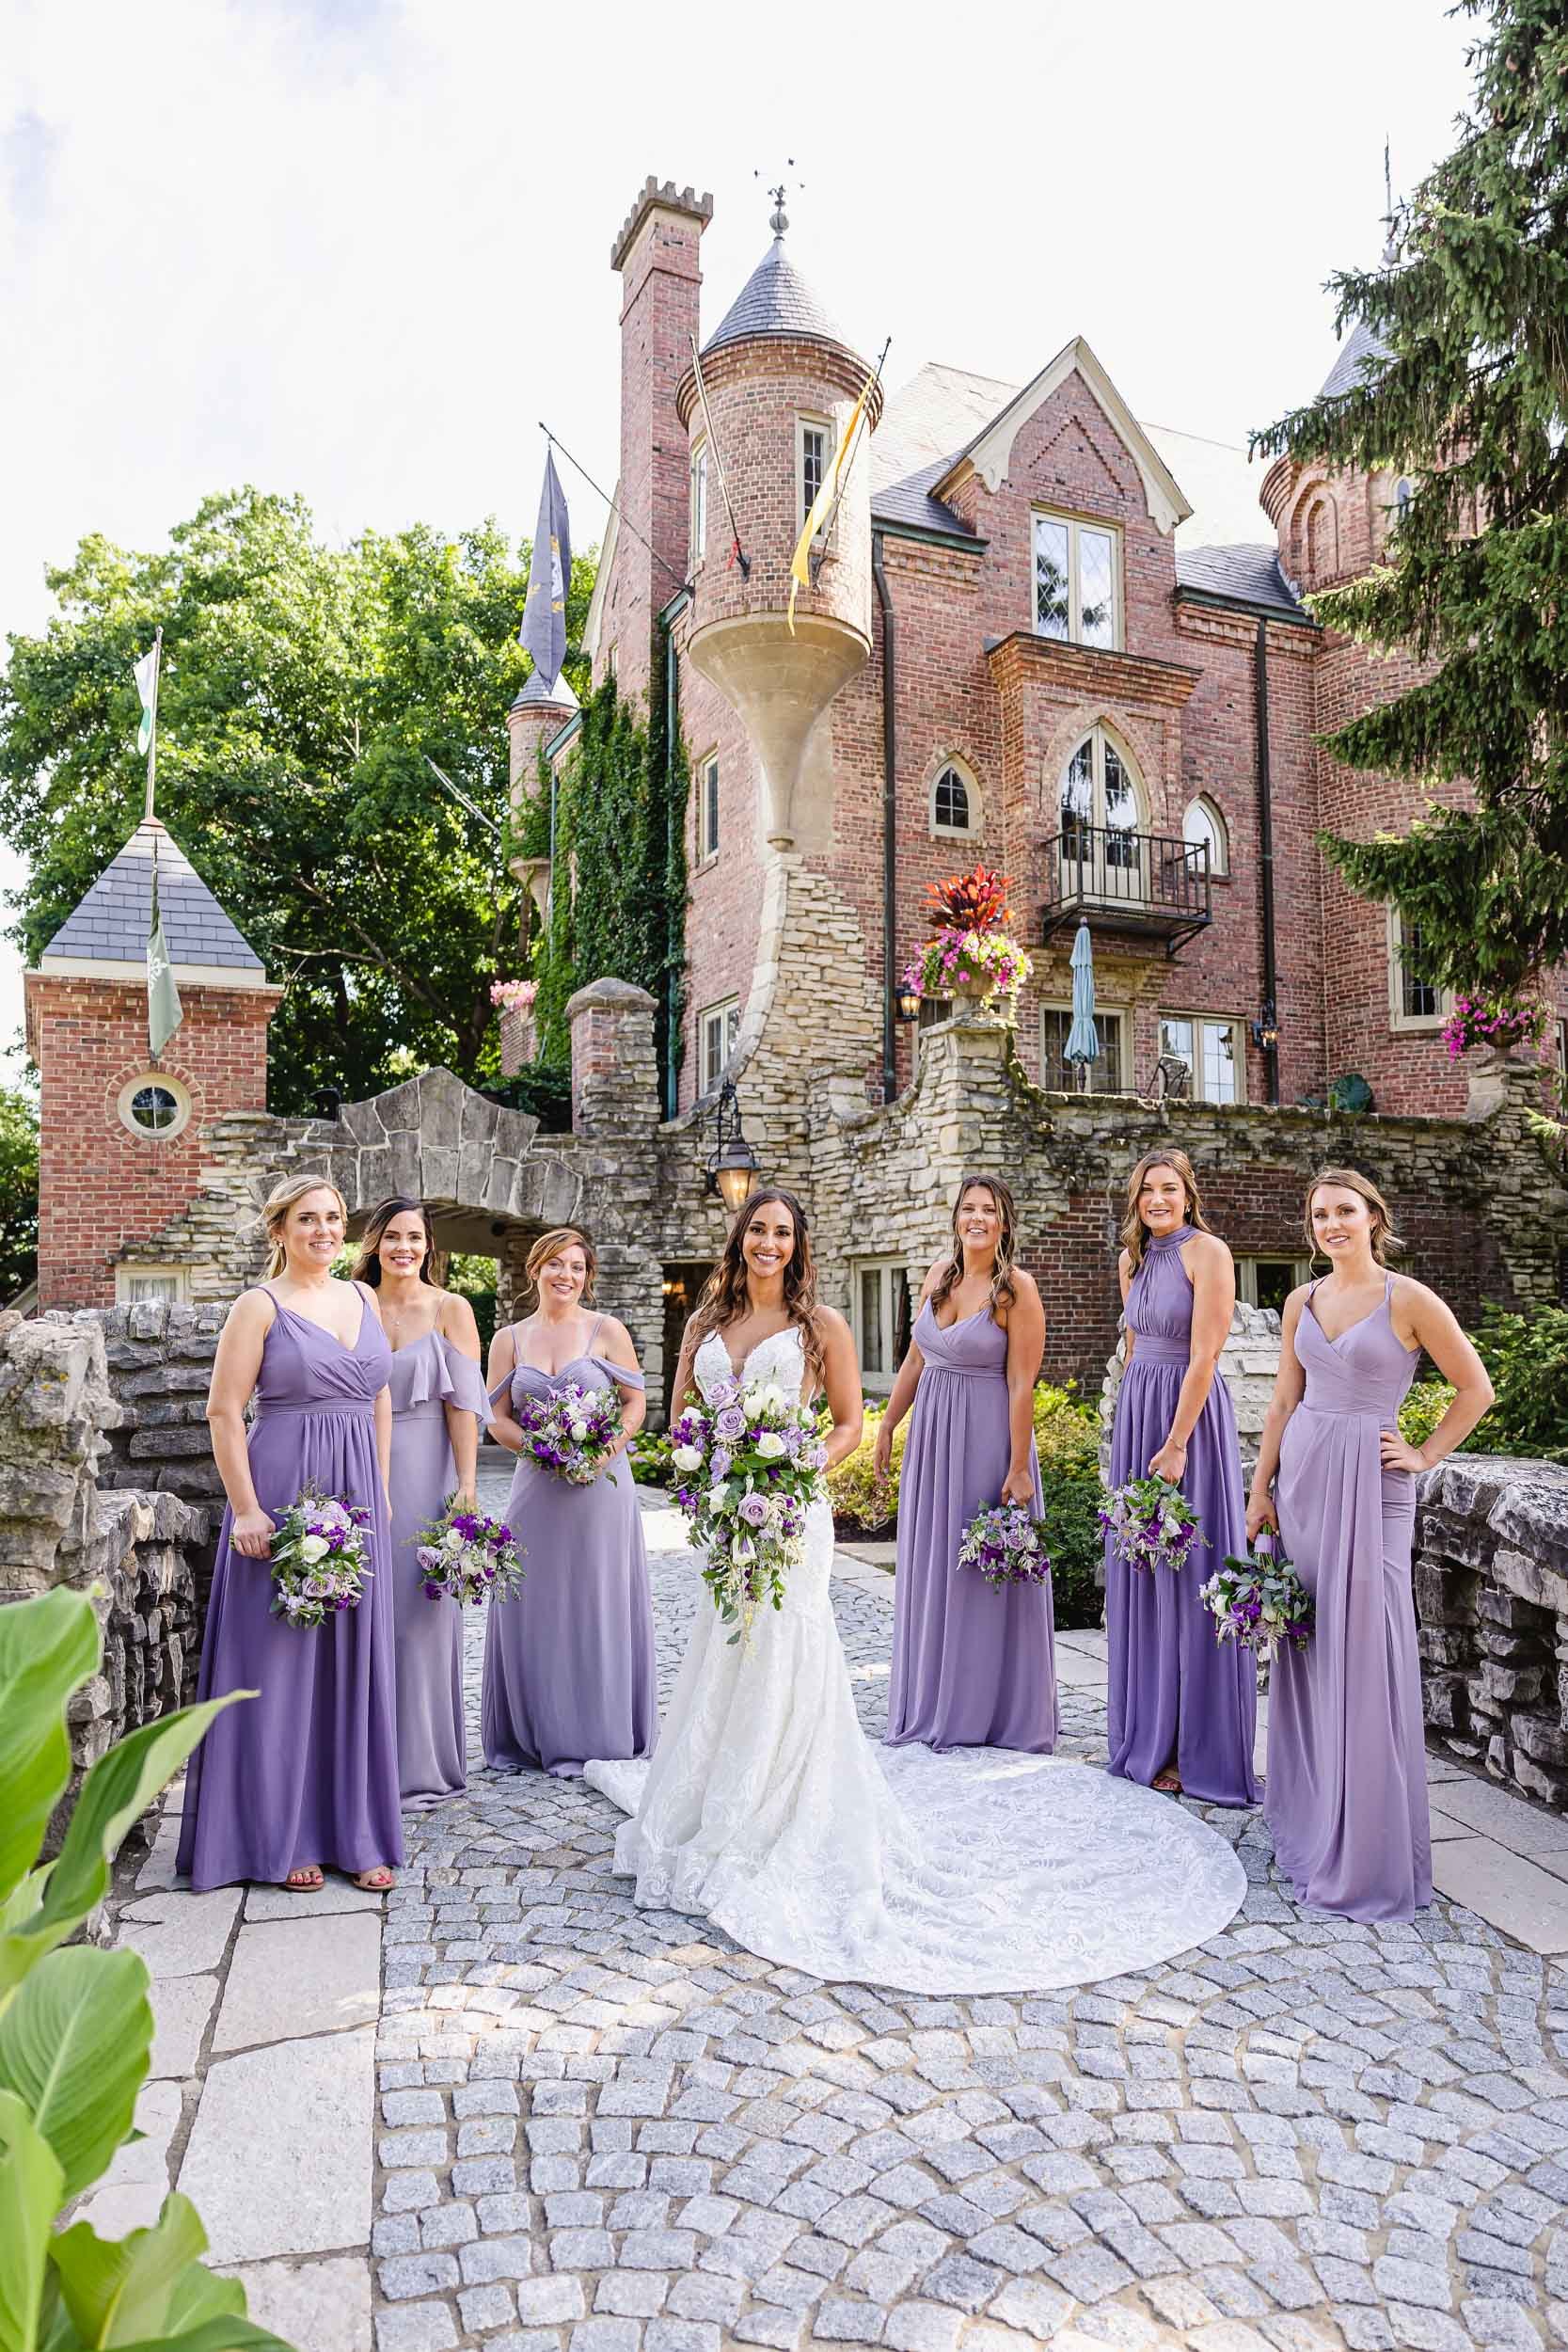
(1347, 1790)
(569, 1666)
(1176, 1694)
(307, 1769)
(427, 1377)
(971, 1667)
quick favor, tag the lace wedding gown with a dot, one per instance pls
(766, 1810)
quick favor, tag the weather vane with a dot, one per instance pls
(778, 220)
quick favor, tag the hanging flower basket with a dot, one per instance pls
(1496, 1022)
(969, 953)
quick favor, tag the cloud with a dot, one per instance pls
(29, 149)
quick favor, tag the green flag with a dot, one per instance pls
(163, 998)
(146, 687)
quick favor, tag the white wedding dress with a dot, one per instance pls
(766, 1810)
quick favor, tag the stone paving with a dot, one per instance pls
(601, 2130)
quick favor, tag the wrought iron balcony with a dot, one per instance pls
(1150, 884)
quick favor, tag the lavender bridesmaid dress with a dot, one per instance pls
(569, 1667)
(427, 1376)
(971, 1667)
(1347, 1786)
(308, 1770)
(1177, 1695)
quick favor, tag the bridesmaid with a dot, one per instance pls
(438, 1405)
(1183, 1706)
(306, 1771)
(1347, 1788)
(570, 1659)
(971, 1667)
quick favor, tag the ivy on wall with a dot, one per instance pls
(618, 904)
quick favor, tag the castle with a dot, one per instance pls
(1038, 634)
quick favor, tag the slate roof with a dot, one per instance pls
(776, 300)
(1361, 354)
(1249, 575)
(113, 920)
(557, 697)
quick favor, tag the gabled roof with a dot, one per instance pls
(1244, 575)
(112, 922)
(776, 300)
(1362, 355)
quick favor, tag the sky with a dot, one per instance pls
(358, 248)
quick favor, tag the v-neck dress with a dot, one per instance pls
(569, 1664)
(427, 1376)
(1347, 1788)
(971, 1667)
(307, 1769)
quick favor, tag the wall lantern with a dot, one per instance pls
(1265, 1030)
(731, 1170)
(909, 1003)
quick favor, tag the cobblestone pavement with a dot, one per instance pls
(602, 2130)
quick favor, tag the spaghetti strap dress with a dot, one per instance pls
(427, 1376)
(1347, 1786)
(306, 1771)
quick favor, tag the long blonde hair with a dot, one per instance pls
(1002, 1287)
(1134, 1232)
(725, 1298)
(274, 1215)
(1351, 1180)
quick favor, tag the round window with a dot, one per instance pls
(154, 1106)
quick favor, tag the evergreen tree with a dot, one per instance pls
(1471, 401)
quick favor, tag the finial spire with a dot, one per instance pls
(778, 220)
(1391, 245)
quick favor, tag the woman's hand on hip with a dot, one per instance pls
(1397, 1454)
(251, 1532)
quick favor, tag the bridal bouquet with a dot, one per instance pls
(1151, 1523)
(750, 1464)
(465, 1555)
(1261, 1602)
(571, 1431)
(1008, 1545)
(319, 1559)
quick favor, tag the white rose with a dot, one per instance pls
(718, 1497)
(453, 1540)
(770, 1445)
(580, 1431)
(313, 1547)
(687, 1457)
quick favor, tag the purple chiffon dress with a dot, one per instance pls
(971, 1667)
(306, 1771)
(426, 1376)
(1347, 1788)
(1177, 1695)
(569, 1666)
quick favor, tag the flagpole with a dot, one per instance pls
(153, 739)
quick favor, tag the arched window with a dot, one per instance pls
(1203, 824)
(1101, 811)
(955, 800)
(1323, 539)
(1404, 490)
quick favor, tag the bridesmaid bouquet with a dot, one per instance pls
(1152, 1524)
(466, 1555)
(1008, 1545)
(570, 1431)
(751, 1466)
(1259, 1602)
(319, 1559)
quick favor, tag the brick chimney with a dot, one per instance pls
(657, 255)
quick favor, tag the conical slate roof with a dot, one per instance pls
(557, 697)
(113, 920)
(776, 300)
(1361, 356)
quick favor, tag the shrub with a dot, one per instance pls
(1526, 1356)
(651, 1455)
(1423, 1409)
(862, 1507)
(75, 2024)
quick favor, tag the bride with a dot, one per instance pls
(766, 1810)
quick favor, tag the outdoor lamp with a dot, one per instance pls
(1265, 1030)
(909, 1003)
(732, 1170)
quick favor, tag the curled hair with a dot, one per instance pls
(1383, 1237)
(1134, 1232)
(367, 1265)
(725, 1296)
(1002, 1287)
(274, 1214)
(554, 1244)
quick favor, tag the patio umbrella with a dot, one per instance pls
(1083, 1042)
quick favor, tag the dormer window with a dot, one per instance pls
(1077, 581)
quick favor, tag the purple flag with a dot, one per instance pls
(543, 630)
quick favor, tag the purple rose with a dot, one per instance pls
(730, 1423)
(725, 1392)
(754, 1510)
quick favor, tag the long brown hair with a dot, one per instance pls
(725, 1298)
(366, 1266)
(1134, 1232)
(274, 1214)
(1001, 1284)
(1383, 1237)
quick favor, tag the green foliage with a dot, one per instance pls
(19, 1191)
(544, 1088)
(1470, 406)
(862, 1505)
(1527, 1357)
(473, 1277)
(1425, 1404)
(75, 2024)
(650, 1456)
(616, 911)
(302, 686)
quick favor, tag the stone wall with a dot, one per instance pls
(1492, 1594)
(135, 1553)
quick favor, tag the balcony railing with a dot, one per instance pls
(1152, 884)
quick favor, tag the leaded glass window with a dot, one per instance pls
(1076, 586)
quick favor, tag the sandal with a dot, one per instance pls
(1168, 1783)
(306, 1880)
(376, 1881)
